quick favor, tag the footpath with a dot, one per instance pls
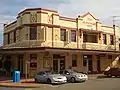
(29, 83)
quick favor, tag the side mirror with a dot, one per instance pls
(44, 75)
(67, 73)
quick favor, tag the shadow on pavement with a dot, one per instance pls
(99, 77)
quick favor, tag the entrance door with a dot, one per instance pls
(62, 64)
(20, 64)
(55, 65)
(90, 68)
(58, 64)
(98, 65)
(90, 63)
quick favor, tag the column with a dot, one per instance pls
(94, 62)
(68, 60)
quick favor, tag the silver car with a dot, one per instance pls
(50, 78)
(73, 76)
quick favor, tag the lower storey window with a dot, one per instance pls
(74, 60)
(33, 60)
(84, 60)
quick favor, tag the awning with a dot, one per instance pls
(90, 31)
(51, 49)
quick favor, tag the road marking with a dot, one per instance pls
(28, 89)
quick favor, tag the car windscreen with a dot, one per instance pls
(49, 72)
(71, 71)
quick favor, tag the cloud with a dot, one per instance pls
(102, 9)
(1, 37)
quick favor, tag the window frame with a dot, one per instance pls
(33, 33)
(85, 37)
(111, 40)
(73, 36)
(104, 39)
(8, 38)
(33, 60)
(63, 34)
(14, 36)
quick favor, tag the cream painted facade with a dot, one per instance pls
(52, 52)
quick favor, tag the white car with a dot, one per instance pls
(73, 76)
(50, 78)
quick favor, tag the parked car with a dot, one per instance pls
(73, 76)
(112, 72)
(50, 78)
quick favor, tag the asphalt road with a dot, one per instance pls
(96, 84)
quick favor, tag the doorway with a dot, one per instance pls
(98, 64)
(58, 64)
(88, 62)
(90, 66)
(20, 64)
(8, 66)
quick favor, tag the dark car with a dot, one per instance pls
(112, 72)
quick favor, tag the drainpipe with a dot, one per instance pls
(52, 33)
(77, 33)
(114, 36)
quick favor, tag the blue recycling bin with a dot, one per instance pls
(16, 76)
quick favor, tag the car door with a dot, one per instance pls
(41, 76)
(118, 72)
(67, 74)
(115, 72)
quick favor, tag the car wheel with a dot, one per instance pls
(48, 81)
(72, 80)
(36, 81)
(109, 75)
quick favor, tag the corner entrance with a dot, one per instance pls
(58, 63)
(20, 64)
(98, 64)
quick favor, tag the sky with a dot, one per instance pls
(102, 9)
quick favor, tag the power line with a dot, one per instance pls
(114, 19)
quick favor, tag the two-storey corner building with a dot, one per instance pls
(41, 39)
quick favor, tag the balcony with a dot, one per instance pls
(38, 43)
(96, 46)
(24, 44)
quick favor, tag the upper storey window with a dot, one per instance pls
(63, 34)
(104, 39)
(73, 35)
(90, 37)
(8, 38)
(33, 32)
(14, 37)
(111, 40)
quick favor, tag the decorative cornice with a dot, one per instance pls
(11, 24)
(107, 26)
(67, 19)
(32, 9)
(68, 28)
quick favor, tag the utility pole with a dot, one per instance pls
(114, 25)
(114, 32)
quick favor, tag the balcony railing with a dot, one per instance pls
(96, 46)
(59, 44)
